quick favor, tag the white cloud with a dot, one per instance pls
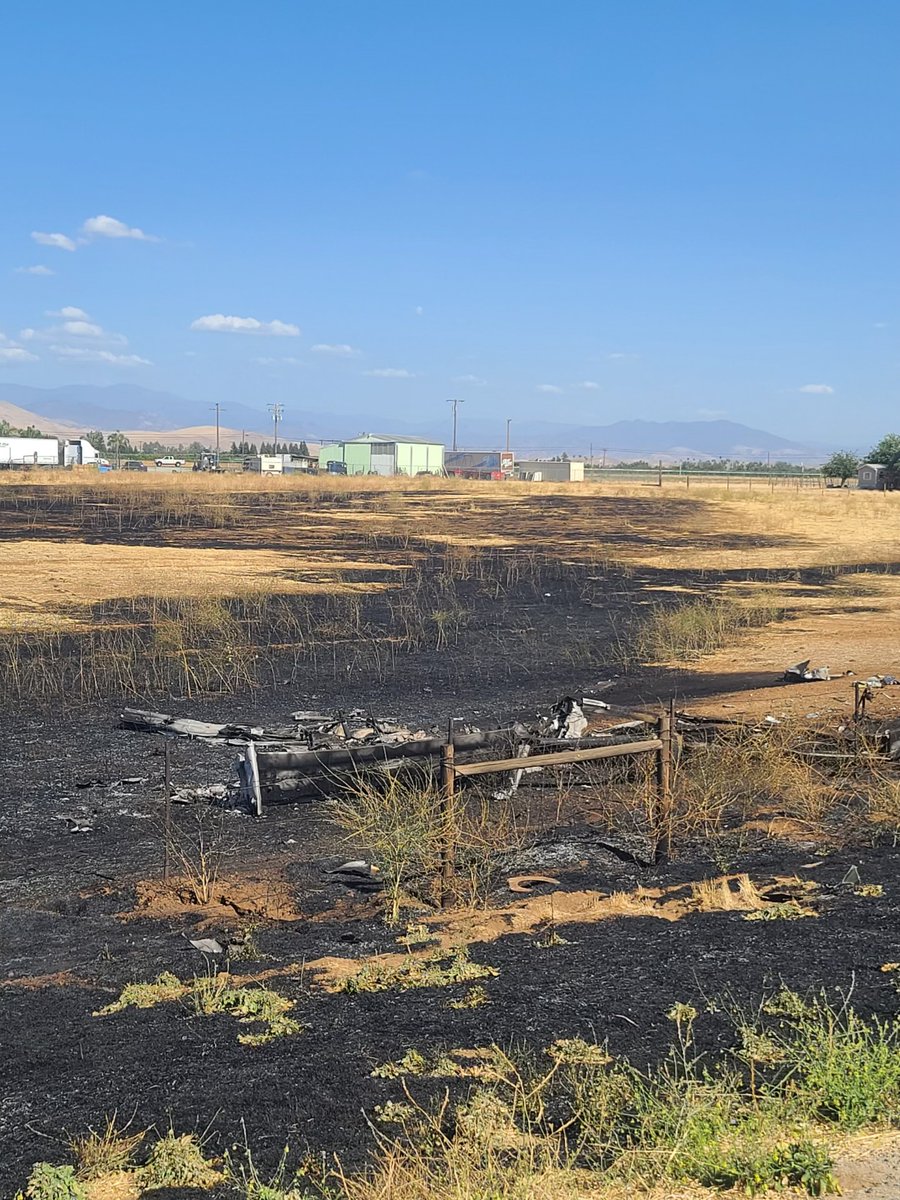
(419, 310)
(59, 240)
(219, 323)
(70, 313)
(285, 360)
(549, 387)
(619, 355)
(109, 227)
(817, 389)
(471, 380)
(12, 356)
(35, 270)
(588, 385)
(77, 324)
(391, 373)
(83, 329)
(339, 350)
(81, 354)
(878, 324)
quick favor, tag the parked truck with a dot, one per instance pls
(479, 464)
(282, 464)
(47, 452)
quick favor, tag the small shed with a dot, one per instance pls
(385, 454)
(871, 477)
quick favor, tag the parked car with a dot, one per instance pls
(169, 461)
(133, 464)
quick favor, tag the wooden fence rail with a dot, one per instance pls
(661, 746)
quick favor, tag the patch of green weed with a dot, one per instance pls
(435, 970)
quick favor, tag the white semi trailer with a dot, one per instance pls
(46, 452)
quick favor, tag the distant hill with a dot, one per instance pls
(148, 415)
(21, 418)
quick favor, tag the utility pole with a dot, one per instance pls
(118, 447)
(217, 406)
(456, 404)
(604, 456)
(508, 423)
(277, 411)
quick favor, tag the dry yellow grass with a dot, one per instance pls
(321, 526)
(39, 577)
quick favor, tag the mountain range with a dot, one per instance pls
(145, 414)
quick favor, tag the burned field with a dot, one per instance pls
(275, 1002)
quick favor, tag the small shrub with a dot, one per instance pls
(845, 1069)
(281, 1184)
(146, 995)
(787, 910)
(869, 890)
(400, 821)
(577, 1052)
(803, 1164)
(178, 1162)
(413, 1062)
(47, 1182)
(104, 1151)
(476, 997)
(213, 994)
(700, 627)
(436, 970)
(394, 1112)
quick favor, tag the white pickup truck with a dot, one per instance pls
(169, 461)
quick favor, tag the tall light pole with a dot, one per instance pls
(508, 423)
(456, 404)
(217, 406)
(277, 411)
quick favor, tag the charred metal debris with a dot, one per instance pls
(318, 753)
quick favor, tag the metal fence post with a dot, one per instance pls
(448, 848)
(167, 863)
(664, 788)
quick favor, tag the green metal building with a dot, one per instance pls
(385, 454)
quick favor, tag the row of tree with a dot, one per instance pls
(30, 431)
(844, 464)
(118, 443)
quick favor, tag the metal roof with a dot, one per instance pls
(388, 437)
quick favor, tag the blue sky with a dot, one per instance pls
(579, 210)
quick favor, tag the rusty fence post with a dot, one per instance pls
(448, 793)
(664, 787)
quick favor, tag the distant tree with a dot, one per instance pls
(5, 429)
(842, 465)
(30, 431)
(118, 443)
(887, 453)
(304, 449)
(97, 440)
(252, 449)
